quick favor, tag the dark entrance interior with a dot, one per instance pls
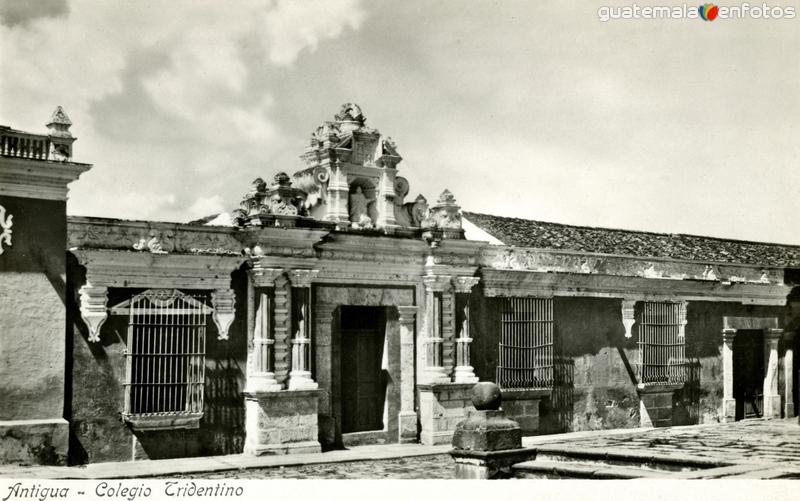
(363, 329)
(748, 373)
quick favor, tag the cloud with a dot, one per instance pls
(22, 12)
(167, 93)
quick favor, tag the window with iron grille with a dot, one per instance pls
(526, 343)
(165, 358)
(662, 346)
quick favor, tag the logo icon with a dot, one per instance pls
(708, 11)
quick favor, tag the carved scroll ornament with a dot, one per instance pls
(5, 225)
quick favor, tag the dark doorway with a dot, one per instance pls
(748, 373)
(363, 330)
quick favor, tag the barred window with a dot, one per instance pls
(165, 358)
(526, 343)
(662, 346)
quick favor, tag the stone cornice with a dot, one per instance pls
(108, 268)
(565, 261)
(512, 283)
(42, 179)
(151, 237)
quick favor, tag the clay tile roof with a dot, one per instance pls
(528, 233)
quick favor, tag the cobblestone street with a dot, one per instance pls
(751, 440)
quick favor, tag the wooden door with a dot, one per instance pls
(748, 373)
(363, 381)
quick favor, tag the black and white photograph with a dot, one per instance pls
(255, 241)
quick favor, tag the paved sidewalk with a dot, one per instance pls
(746, 449)
(181, 466)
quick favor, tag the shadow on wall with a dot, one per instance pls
(556, 412)
(686, 401)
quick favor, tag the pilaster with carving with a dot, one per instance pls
(464, 372)
(300, 375)
(94, 309)
(432, 340)
(728, 400)
(788, 374)
(448, 329)
(338, 191)
(682, 306)
(407, 317)
(282, 328)
(772, 399)
(386, 194)
(224, 303)
(261, 375)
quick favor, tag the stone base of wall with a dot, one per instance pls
(655, 405)
(523, 407)
(441, 408)
(281, 422)
(35, 441)
(407, 424)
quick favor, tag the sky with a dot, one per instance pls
(525, 109)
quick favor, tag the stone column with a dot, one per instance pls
(788, 374)
(407, 416)
(728, 401)
(464, 372)
(260, 375)
(433, 368)
(338, 191)
(772, 399)
(385, 200)
(300, 375)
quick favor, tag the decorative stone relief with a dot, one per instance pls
(263, 201)
(60, 137)
(628, 316)
(93, 309)
(224, 303)
(446, 214)
(412, 213)
(156, 242)
(5, 225)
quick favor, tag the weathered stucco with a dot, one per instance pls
(32, 319)
(98, 373)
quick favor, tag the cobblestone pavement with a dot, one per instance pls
(439, 466)
(752, 440)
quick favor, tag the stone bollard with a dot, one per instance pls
(487, 444)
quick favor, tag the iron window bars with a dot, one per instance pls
(662, 344)
(526, 343)
(165, 358)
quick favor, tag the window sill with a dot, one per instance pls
(155, 422)
(659, 387)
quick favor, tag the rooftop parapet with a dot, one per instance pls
(56, 145)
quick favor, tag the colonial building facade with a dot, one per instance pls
(332, 309)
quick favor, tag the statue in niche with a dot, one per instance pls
(359, 209)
